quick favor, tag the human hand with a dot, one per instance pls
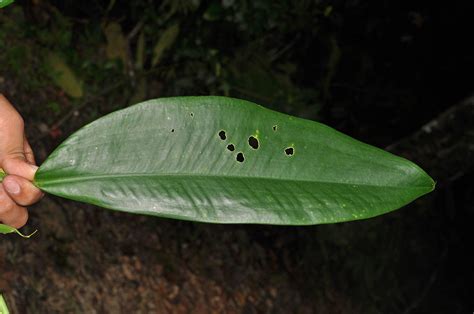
(17, 160)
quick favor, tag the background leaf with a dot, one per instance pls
(164, 43)
(3, 306)
(116, 42)
(64, 76)
(223, 160)
(4, 3)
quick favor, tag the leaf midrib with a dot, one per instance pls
(127, 175)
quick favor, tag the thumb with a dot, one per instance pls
(18, 166)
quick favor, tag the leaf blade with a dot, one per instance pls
(167, 157)
(4, 3)
(3, 303)
(63, 76)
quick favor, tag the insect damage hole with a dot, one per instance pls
(253, 142)
(231, 147)
(222, 135)
(172, 130)
(275, 127)
(289, 151)
(240, 157)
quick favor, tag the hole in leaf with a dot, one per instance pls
(289, 151)
(253, 142)
(231, 147)
(240, 157)
(274, 127)
(192, 114)
(172, 130)
(222, 135)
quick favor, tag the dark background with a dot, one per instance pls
(394, 74)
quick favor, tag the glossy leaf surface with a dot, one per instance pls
(223, 160)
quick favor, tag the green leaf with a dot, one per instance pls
(4, 3)
(164, 43)
(2, 175)
(116, 42)
(3, 304)
(63, 76)
(224, 160)
(4, 229)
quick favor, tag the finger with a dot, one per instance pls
(22, 191)
(11, 213)
(29, 155)
(7, 110)
(19, 167)
(4, 103)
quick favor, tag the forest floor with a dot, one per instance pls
(88, 260)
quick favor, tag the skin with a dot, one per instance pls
(17, 160)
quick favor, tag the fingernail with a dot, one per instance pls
(12, 187)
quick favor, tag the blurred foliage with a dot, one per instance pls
(63, 76)
(4, 3)
(185, 47)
